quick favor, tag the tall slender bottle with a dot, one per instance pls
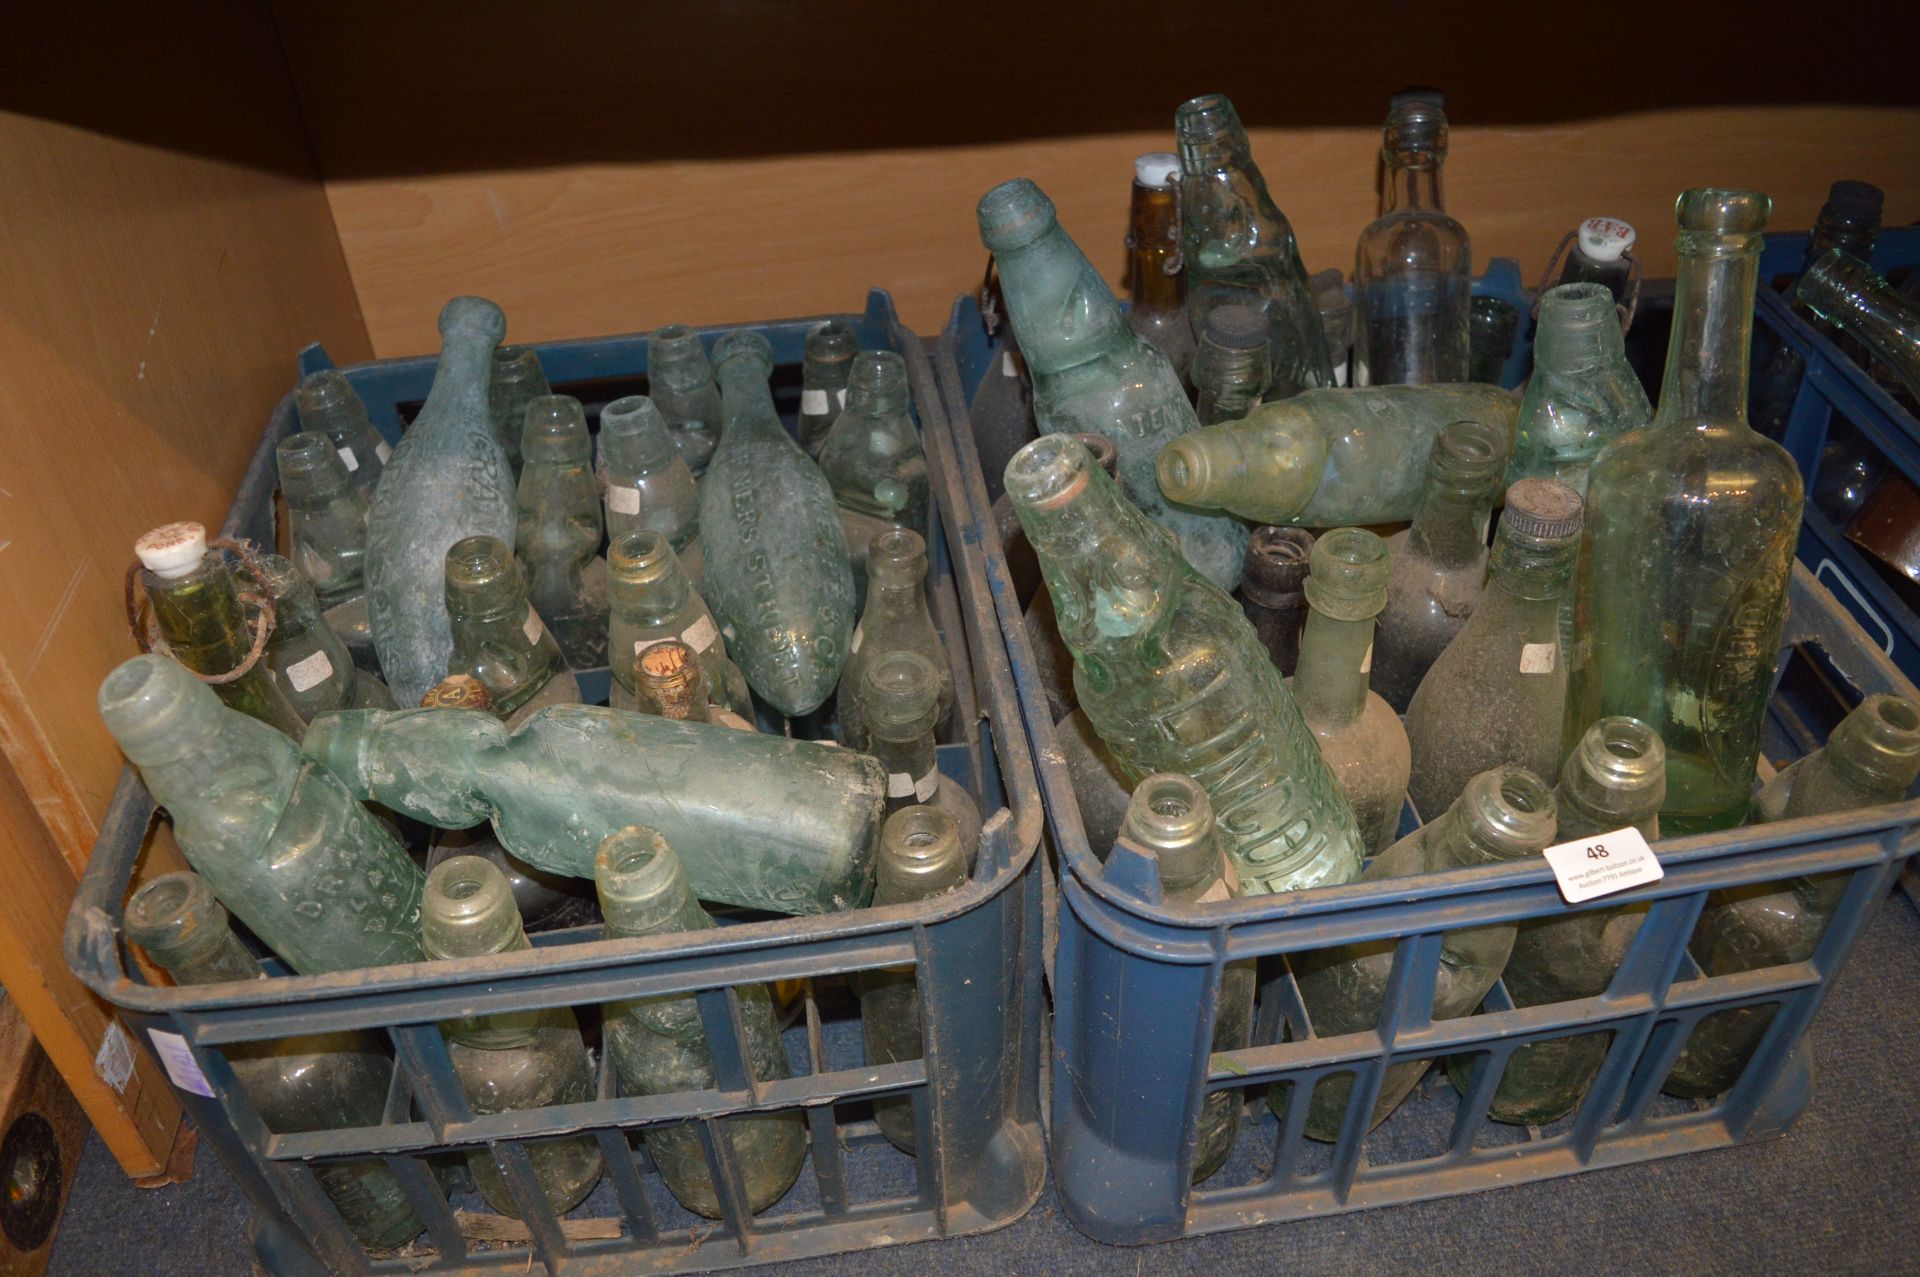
(899, 701)
(653, 601)
(1273, 593)
(1091, 373)
(649, 487)
(1583, 394)
(897, 619)
(871, 456)
(1235, 240)
(329, 405)
(1232, 367)
(1413, 270)
(680, 382)
(510, 1060)
(448, 479)
(1157, 287)
(1598, 255)
(1691, 527)
(326, 516)
(309, 661)
(823, 380)
(558, 510)
(516, 379)
(1174, 679)
(498, 636)
(1858, 301)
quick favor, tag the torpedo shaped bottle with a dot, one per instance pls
(326, 516)
(558, 534)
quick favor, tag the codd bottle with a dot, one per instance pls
(1234, 241)
(1498, 693)
(897, 619)
(1849, 220)
(1091, 373)
(1273, 592)
(1583, 394)
(899, 701)
(1440, 562)
(1413, 270)
(326, 515)
(1174, 679)
(824, 370)
(1690, 532)
(1492, 326)
(922, 855)
(309, 661)
(1503, 815)
(680, 382)
(777, 574)
(1598, 255)
(315, 1082)
(871, 456)
(1231, 368)
(1157, 287)
(329, 405)
(1100, 786)
(649, 487)
(670, 681)
(498, 636)
(203, 625)
(652, 601)
(659, 1043)
(277, 837)
(1327, 458)
(1360, 736)
(508, 1061)
(558, 510)
(515, 381)
(1855, 299)
(1871, 758)
(446, 480)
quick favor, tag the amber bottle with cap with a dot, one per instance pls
(1157, 287)
(1273, 592)
(498, 637)
(1598, 255)
(824, 369)
(1232, 367)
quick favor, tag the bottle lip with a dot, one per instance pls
(475, 567)
(1722, 211)
(1347, 575)
(157, 710)
(1855, 200)
(1210, 117)
(1157, 170)
(920, 855)
(1237, 327)
(1171, 816)
(172, 550)
(639, 878)
(174, 916)
(1511, 810)
(640, 556)
(467, 910)
(282, 579)
(473, 316)
(743, 343)
(326, 391)
(900, 694)
(900, 554)
(877, 379)
(1015, 214)
(1415, 126)
(1278, 558)
(309, 465)
(1880, 738)
(833, 342)
(1048, 473)
(1469, 456)
(517, 364)
(1621, 754)
(555, 427)
(1605, 239)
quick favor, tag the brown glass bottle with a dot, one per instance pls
(1157, 301)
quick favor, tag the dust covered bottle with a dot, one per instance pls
(1583, 394)
(1849, 220)
(824, 369)
(680, 382)
(1232, 367)
(670, 681)
(309, 661)
(498, 636)
(1492, 326)
(649, 487)
(558, 506)
(653, 601)
(1157, 292)
(509, 1061)
(326, 516)
(1858, 301)
(872, 456)
(1273, 592)
(899, 701)
(515, 381)
(329, 406)
(897, 619)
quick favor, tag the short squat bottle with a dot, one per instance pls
(558, 538)
(652, 601)
(509, 1061)
(899, 700)
(498, 637)
(1273, 592)
(329, 405)
(315, 1082)
(1498, 693)
(310, 662)
(872, 456)
(1598, 255)
(516, 380)
(1583, 394)
(1231, 369)
(327, 517)
(823, 380)
(680, 382)
(1157, 292)
(897, 619)
(649, 487)
(670, 681)
(1858, 301)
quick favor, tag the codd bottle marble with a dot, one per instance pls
(653, 601)
(1156, 284)
(824, 369)
(326, 516)
(1273, 592)
(899, 702)
(558, 536)
(516, 379)
(329, 405)
(498, 636)
(1231, 369)
(897, 619)
(309, 661)
(649, 487)
(871, 456)
(1583, 394)
(680, 382)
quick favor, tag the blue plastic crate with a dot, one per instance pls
(976, 1092)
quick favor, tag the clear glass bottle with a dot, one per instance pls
(1052, 663)
(1413, 270)
(649, 487)
(1336, 318)
(1273, 592)
(1503, 815)
(329, 405)
(1598, 255)
(558, 540)
(1157, 287)
(897, 619)
(823, 380)
(1091, 373)
(1360, 736)
(659, 1044)
(1174, 679)
(1440, 562)
(652, 601)
(1690, 532)
(1327, 458)
(1850, 220)
(509, 1060)
(1231, 369)
(516, 380)
(499, 637)
(1498, 693)
(309, 661)
(899, 701)
(315, 1082)
(680, 382)
(198, 611)
(871, 456)
(1492, 326)
(326, 516)
(277, 837)
(1234, 240)
(1583, 394)
(671, 682)
(1857, 300)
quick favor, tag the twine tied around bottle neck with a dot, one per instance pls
(1624, 309)
(146, 634)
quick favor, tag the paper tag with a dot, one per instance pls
(114, 1061)
(1602, 864)
(859, 637)
(841, 395)
(814, 401)
(700, 635)
(532, 629)
(309, 671)
(1538, 658)
(1366, 662)
(383, 451)
(1007, 368)
(179, 1063)
(348, 459)
(623, 500)
(901, 785)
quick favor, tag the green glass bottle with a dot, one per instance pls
(516, 380)
(899, 702)
(326, 516)
(1091, 373)
(498, 636)
(203, 625)
(897, 619)
(1499, 692)
(278, 838)
(509, 1060)
(1327, 458)
(328, 405)
(558, 513)
(649, 487)
(1174, 679)
(653, 601)
(1232, 367)
(1858, 301)
(1583, 394)
(680, 382)
(1691, 526)
(1234, 241)
(315, 1082)
(871, 455)
(1157, 287)
(824, 370)
(777, 574)
(309, 661)
(1492, 326)
(1505, 814)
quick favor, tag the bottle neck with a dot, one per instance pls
(225, 959)
(1062, 310)
(1412, 183)
(462, 380)
(1153, 243)
(1578, 332)
(910, 762)
(1528, 573)
(1502, 815)
(1450, 526)
(746, 398)
(1330, 681)
(1230, 381)
(1853, 297)
(1708, 352)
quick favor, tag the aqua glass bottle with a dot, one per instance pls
(1690, 532)
(1156, 285)
(649, 487)
(1498, 694)
(328, 405)
(509, 1060)
(326, 516)
(1231, 368)
(681, 384)
(203, 624)
(1234, 241)
(899, 702)
(1335, 305)
(1849, 220)
(1273, 593)
(1857, 300)
(777, 574)
(897, 619)
(1413, 270)
(309, 661)
(499, 637)
(653, 601)
(824, 369)
(1492, 326)
(1174, 679)
(277, 837)
(1598, 255)
(1091, 373)
(1504, 815)
(1583, 394)
(871, 456)
(515, 381)
(447, 479)
(558, 536)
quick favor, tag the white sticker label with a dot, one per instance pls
(1602, 864)
(901, 785)
(859, 637)
(348, 459)
(114, 1061)
(841, 395)
(179, 1063)
(700, 635)
(814, 401)
(1538, 658)
(623, 500)
(532, 628)
(382, 451)
(1366, 662)
(309, 671)
(1007, 368)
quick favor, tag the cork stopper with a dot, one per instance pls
(674, 679)
(172, 550)
(458, 691)
(1157, 170)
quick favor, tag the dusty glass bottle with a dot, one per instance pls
(203, 625)
(1091, 373)
(558, 538)
(509, 1060)
(309, 661)
(649, 487)
(899, 702)
(872, 456)
(1503, 815)
(897, 619)
(1174, 679)
(1100, 784)
(1413, 270)
(1492, 325)
(329, 405)
(1327, 458)
(1690, 532)
(277, 837)
(1157, 287)
(824, 369)
(1052, 663)
(1336, 318)
(515, 380)
(1857, 300)
(777, 575)
(1234, 240)
(670, 681)
(1499, 691)
(1849, 220)
(1273, 592)
(1583, 394)
(653, 601)
(1360, 736)
(1598, 255)
(922, 855)
(680, 382)
(1440, 562)
(326, 516)
(1231, 369)
(499, 637)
